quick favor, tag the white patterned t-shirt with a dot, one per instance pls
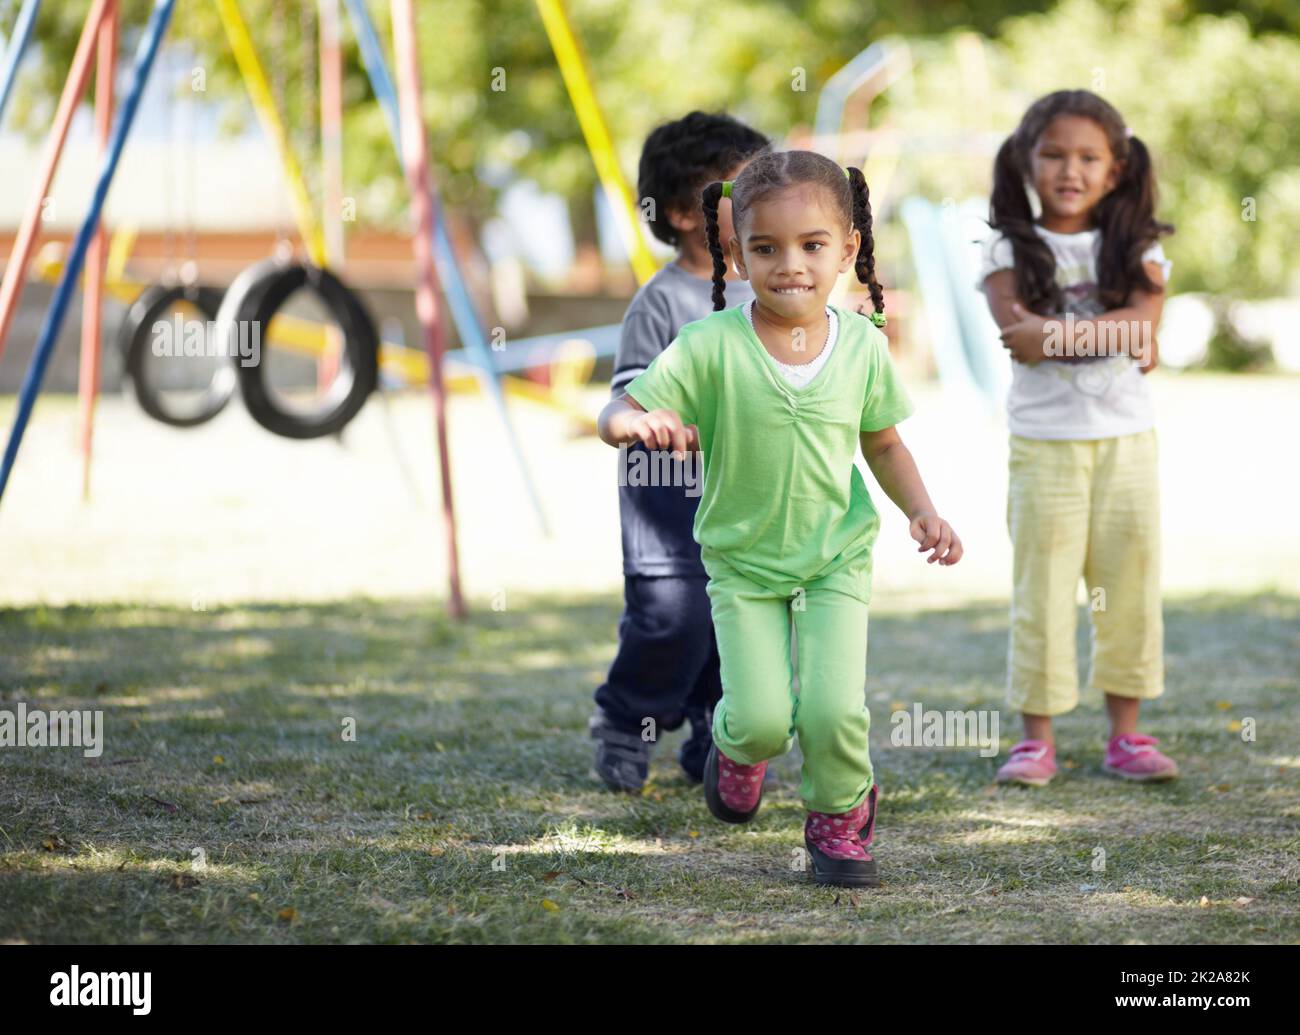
(1084, 397)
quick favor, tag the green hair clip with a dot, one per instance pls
(877, 318)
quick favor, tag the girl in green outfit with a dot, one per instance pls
(777, 396)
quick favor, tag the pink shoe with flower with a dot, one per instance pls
(1133, 756)
(837, 843)
(732, 790)
(1032, 762)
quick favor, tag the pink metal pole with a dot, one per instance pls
(93, 295)
(331, 129)
(331, 139)
(416, 161)
(20, 257)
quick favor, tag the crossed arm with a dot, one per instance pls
(1026, 335)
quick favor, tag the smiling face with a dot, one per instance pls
(793, 245)
(1072, 168)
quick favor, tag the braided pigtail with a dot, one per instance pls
(865, 265)
(709, 202)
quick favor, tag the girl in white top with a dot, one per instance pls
(1077, 291)
(1097, 396)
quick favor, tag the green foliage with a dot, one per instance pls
(1215, 94)
(649, 62)
(1215, 105)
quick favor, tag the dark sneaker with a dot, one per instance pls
(732, 791)
(622, 758)
(837, 844)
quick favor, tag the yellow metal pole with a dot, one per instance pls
(260, 94)
(573, 68)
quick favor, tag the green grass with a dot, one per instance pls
(465, 810)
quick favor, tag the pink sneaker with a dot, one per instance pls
(1032, 762)
(1133, 756)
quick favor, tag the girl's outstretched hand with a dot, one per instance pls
(663, 429)
(934, 533)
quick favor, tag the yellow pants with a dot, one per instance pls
(1087, 508)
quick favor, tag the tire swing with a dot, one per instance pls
(253, 301)
(175, 405)
(157, 331)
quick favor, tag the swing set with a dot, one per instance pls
(347, 350)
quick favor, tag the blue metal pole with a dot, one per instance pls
(14, 53)
(144, 58)
(463, 313)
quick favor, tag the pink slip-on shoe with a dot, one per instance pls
(837, 844)
(1032, 762)
(1133, 756)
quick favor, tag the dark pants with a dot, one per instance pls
(666, 667)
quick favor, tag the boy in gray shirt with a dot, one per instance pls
(666, 668)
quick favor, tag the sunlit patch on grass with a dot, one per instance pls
(89, 859)
(1003, 834)
(1049, 821)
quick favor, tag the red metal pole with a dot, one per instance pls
(415, 158)
(21, 255)
(93, 295)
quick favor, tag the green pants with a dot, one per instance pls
(759, 713)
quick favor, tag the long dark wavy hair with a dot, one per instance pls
(1125, 216)
(779, 170)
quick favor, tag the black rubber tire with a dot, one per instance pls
(254, 298)
(135, 339)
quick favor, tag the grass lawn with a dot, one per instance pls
(465, 809)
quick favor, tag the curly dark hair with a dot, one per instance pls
(1125, 216)
(681, 156)
(777, 171)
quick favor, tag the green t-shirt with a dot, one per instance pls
(782, 501)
